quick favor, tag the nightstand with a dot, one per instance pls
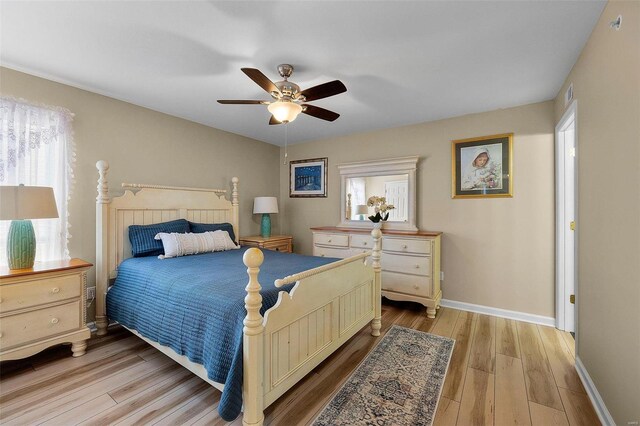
(43, 306)
(283, 243)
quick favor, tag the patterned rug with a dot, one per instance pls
(398, 383)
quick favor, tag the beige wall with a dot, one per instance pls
(145, 146)
(606, 83)
(496, 252)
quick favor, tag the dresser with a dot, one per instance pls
(410, 260)
(283, 243)
(43, 306)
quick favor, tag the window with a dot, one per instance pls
(36, 148)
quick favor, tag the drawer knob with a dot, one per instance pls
(0, 335)
(404, 246)
(322, 255)
(54, 320)
(417, 266)
(416, 287)
(364, 244)
(55, 290)
(0, 299)
(329, 240)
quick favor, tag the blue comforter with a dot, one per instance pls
(195, 306)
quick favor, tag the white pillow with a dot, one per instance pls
(176, 244)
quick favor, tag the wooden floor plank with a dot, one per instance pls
(541, 387)
(578, 408)
(507, 338)
(570, 341)
(22, 400)
(541, 415)
(477, 406)
(69, 365)
(463, 335)
(166, 405)
(81, 412)
(483, 348)
(57, 403)
(193, 410)
(560, 359)
(512, 406)
(446, 322)
(447, 412)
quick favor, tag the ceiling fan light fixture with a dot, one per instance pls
(284, 111)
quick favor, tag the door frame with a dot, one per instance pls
(562, 299)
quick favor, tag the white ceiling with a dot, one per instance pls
(402, 62)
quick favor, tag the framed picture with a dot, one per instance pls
(308, 178)
(482, 167)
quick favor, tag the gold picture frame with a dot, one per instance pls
(482, 167)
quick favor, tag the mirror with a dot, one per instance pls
(392, 178)
(393, 187)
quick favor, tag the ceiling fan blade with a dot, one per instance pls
(261, 80)
(321, 113)
(325, 90)
(234, 102)
(273, 120)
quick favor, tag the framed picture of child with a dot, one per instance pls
(482, 167)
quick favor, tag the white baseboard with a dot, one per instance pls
(594, 395)
(497, 312)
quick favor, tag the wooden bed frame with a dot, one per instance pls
(325, 308)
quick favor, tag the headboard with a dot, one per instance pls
(149, 204)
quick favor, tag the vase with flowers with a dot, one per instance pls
(381, 209)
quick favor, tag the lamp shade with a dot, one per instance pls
(27, 202)
(265, 205)
(284, 111)
(362, 209)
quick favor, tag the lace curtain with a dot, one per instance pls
(36, 149)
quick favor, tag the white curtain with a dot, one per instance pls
(36, 149)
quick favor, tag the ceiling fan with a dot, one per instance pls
(288, 100)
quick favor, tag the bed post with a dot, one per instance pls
(102, 273)
(252, 349)
(235, 208)
(376, 323)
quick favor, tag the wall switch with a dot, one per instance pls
(441, 275)
(91, 293)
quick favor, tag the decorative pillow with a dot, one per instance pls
(142, 237)
(198, 228)
(185, 244)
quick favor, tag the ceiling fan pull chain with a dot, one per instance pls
(286, 138)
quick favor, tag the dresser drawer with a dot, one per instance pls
(362, 241)
(407, 284)
(38, 292)
(331, 252)
(335, 240)
(34, 325)
(406, 245)
(407, 264)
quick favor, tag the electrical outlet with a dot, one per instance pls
(441, 275)
(91, 293)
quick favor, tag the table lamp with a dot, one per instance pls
(265, 205)
(362, 210)
(19, 204)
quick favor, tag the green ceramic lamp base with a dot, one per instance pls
(265, 228)
(21, 245)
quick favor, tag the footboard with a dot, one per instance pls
(326, 307)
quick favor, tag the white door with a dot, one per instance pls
(396, 193)
(566, 219)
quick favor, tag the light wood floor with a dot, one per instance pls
(502, 372)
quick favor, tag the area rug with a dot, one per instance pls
(398, 383)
